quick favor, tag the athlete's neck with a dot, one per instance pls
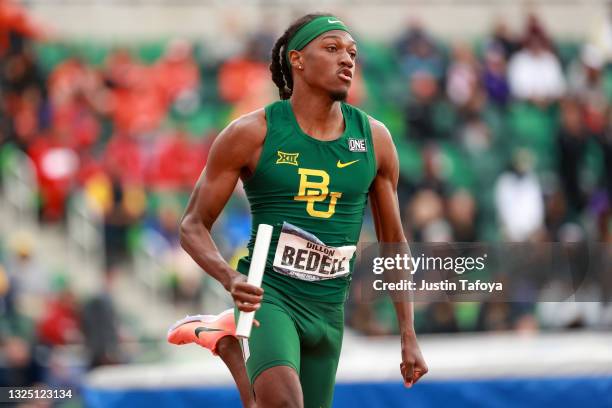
(317, 115)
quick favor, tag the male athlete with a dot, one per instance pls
(309, 163)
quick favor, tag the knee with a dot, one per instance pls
(278, 387)
(227, 344)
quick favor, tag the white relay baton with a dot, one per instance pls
(256, 271)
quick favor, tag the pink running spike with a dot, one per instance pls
(204, 330)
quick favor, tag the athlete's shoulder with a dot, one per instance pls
(244, 133)
(248, 127)
(236, 143)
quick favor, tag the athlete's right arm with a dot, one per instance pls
(233, 154)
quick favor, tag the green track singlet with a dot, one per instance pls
(320, 187)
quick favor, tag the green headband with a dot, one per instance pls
(312, 30)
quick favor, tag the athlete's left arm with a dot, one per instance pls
(388, 224)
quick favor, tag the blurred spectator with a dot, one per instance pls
(126, 206)
(100, 326)
(425, 210)
(463, 76)
(572, 144)
(31, 114)
(418, 52)
(462, 216)
(20, 71)
(23, 96)
(176, 162)
(178, 76)
(433, 178)
(28, 279)
(475, 136)
(77, 95)
(165, 221)
(139, 108)
(124, 158)
(494, 77)
(585, 82)
(56, 164)
(59, 323)
(518, 199)
(556, 214)
(420, 110)
(136, 103)
(534, 72)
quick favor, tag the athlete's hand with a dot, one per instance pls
(413, 365)
(247, 297)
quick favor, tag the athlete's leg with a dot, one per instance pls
(230, 352)
(273, 357)
(278, 387)
(319, 361)
(318, 374)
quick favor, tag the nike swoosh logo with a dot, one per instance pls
(330, 21)
(342, 165)
(201, 329)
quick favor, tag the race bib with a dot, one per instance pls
(302, 255)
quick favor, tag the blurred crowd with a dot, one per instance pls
(505, 138)
(524, 127)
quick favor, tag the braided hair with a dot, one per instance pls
(279, 67)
